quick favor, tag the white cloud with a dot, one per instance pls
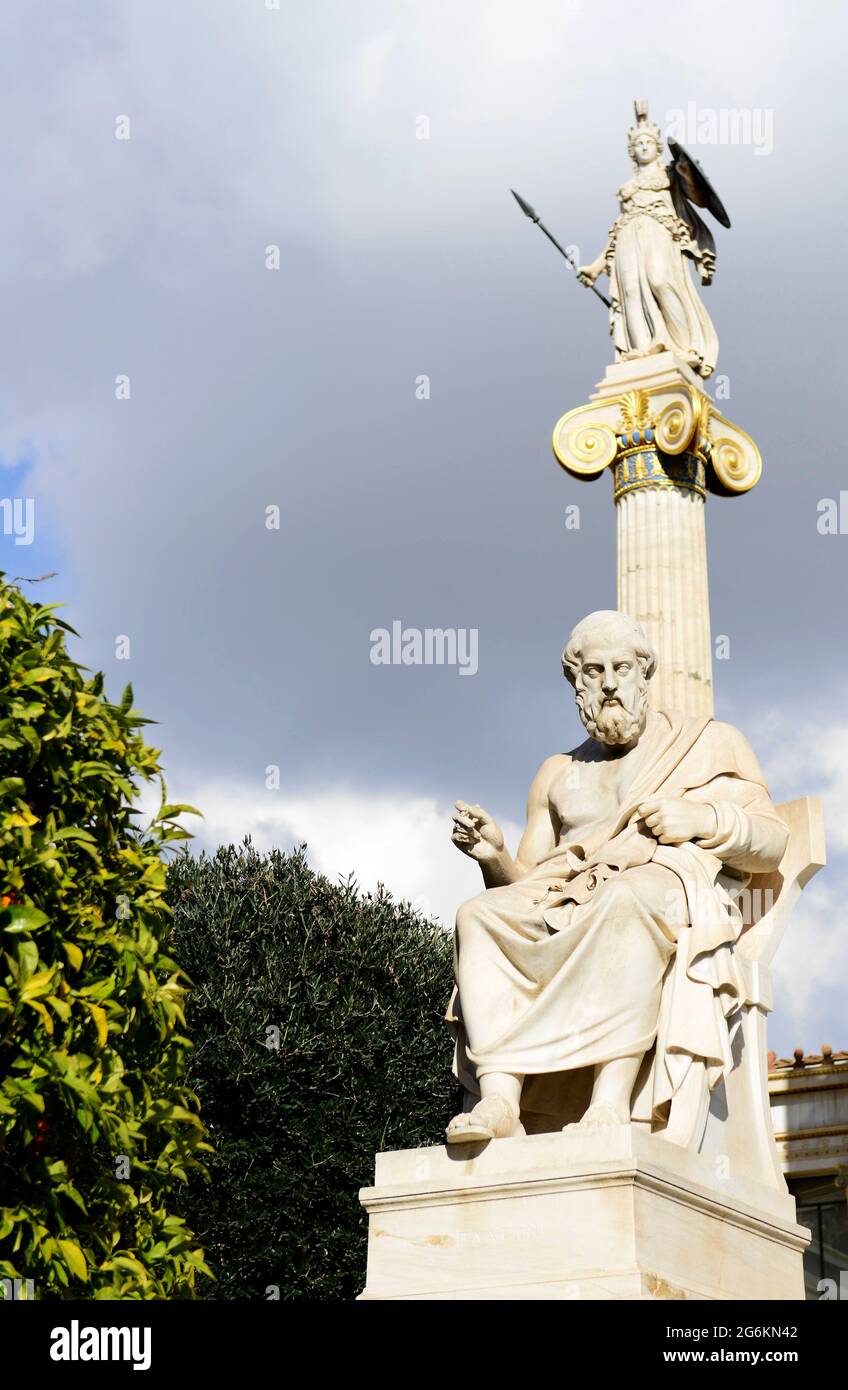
(370, 68)
(811, 963)
(811, 760)
(401, 841)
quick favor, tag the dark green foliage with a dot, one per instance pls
(91, 1043)
(356, 987)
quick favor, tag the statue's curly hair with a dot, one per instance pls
(619, 624)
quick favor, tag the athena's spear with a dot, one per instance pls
(534, 217)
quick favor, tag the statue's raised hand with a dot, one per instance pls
(476, 834)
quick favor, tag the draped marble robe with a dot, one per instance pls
(617, 945)
(655, 305)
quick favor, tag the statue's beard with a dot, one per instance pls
(616, 721)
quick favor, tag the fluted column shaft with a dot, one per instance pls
(662, 583)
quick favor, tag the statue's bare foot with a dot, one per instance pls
(492, 1118)
(601, 1117)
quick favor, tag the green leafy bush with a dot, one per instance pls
(97, 1128)
(317, 1017)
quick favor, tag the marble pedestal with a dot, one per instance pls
(602, 1214)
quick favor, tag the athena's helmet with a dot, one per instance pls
(643, 128)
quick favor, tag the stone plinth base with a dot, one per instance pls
(602, 1214)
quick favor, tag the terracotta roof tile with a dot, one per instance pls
(827, 1057)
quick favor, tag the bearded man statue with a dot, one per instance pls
(598, 965)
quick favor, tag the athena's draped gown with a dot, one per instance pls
(655, 303)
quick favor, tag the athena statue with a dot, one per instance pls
(655, 305)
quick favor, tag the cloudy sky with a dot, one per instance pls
(400, 257)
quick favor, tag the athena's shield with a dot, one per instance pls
(694, 183)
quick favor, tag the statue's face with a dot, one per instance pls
(612, 692)
(645, 149)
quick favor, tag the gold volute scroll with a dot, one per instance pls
(677, 414)
(583, 443)
(734, 456)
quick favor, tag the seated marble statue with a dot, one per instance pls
(598, 965)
